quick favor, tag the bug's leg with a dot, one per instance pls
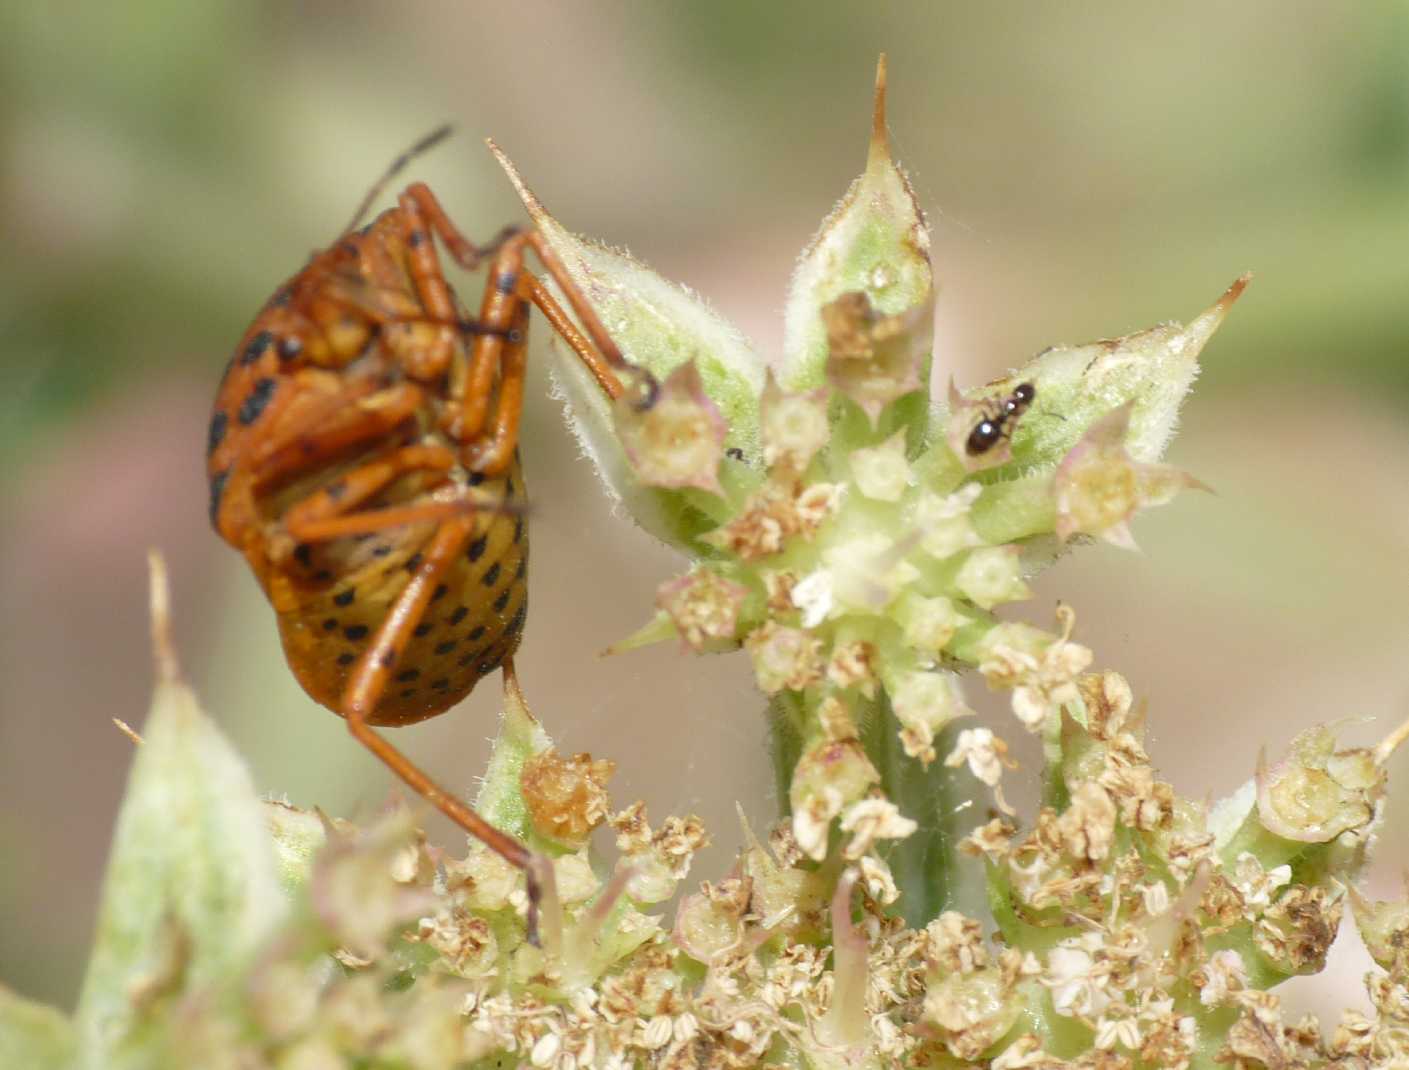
(332, 511)
(607, 350)
(321, 425)
(369, 681)
(493, 454)
(600, 368)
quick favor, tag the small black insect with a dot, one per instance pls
(996, 426)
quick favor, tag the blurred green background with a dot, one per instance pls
(1089, 170)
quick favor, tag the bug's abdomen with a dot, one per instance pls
(473, 623)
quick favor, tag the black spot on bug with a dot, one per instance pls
(355, 631)
(346, 659)
(505, 282)
(447, 646)
(516, 625)
(282, 296)
(289, 347)
(256, 347)
(477, 548)
(416, 238)
(477, 634)
(413, 562)
(381, 550)
(344, 598)
(217, 490)
(441, 684)
(303, 554)
(491, 575)
(422, 630)
(508, 486)
(439, 592)
(460, 614)
(501, 601)
(518, 530)
(331, 624)
(523, 568)
(254, 404)
(406, 676)
(408, 692)
(474, 479)
(468, 658)
(322, 575)
(216, 434)
(348, 248)
(336, 489)
(388, 659)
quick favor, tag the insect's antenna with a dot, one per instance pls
(430, 141)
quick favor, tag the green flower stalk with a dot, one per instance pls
(853, 540)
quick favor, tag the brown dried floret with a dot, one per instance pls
(566, 797)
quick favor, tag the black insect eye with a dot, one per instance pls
(1025, 393)
(983, 437)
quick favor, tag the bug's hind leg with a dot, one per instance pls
(368, 683)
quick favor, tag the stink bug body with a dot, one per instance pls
(362, 456)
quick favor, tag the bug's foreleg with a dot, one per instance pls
(494, 454)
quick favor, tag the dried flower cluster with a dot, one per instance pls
(854, 543)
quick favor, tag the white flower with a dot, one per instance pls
(1077, 980)
(813, 595)
(1223, 974)
(983, 751)
(1254, 884)
(871, 819)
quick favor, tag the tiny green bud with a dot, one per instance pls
(784, 657)
(1384, 926)
(944, 522)
(924, 702)
(1099, 486)
(793, 426)
(929, 623)
(882, 472)
(992, 575)
(703, 605)
(1317, 793)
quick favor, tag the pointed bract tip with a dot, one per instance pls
(1386, 749)
(513, 694)
(1234, 291)
(530, 201)
(159, 602)
(880, 147)
(127, 730)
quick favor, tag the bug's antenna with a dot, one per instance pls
(430, 141)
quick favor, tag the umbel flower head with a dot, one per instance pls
(853, 540)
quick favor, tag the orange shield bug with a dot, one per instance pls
(362, 456)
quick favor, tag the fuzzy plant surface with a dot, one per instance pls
(855, 541)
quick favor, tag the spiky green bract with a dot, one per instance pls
(874, 242)
(34, 1036)
(191, 890)
(500, 800)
